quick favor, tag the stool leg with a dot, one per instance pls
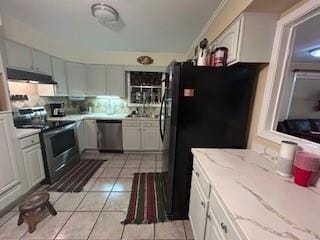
(31, 221)
(20, 219)
(51, 208)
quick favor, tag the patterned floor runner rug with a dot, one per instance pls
(77, 177)
(147, 200)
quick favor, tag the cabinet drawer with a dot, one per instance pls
(28, 141)
(202, 178)
(150, 124)
(225, 225)
(131, 123)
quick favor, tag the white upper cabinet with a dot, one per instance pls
(96, 79)
(41, 62)
(116, 80)
(249, 38)
(76, 74)
(18, 56)
(60, 76)
(230, 39)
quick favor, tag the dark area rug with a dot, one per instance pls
(147, 200)
(77, 177)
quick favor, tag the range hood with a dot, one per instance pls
(28, 77)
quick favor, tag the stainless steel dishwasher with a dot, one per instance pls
(110, 135)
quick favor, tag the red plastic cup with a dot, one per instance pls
(306, 169)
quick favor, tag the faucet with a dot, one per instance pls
(144, 100)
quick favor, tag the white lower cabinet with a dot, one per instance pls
(212, 232)
(90, 129)
(151, 139)
(141, 135)
(131, 138)
(81, 136)
(33, 162)
(198, 210)
(208, 218)
(11, 178)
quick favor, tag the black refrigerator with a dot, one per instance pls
(202, 107)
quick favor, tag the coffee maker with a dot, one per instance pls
(57, 109)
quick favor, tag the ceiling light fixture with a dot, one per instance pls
(315, 52)
(104, 13)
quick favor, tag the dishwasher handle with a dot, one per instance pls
(109, 121)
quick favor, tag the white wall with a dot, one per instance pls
(25, 34)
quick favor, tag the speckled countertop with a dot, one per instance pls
(263, 204)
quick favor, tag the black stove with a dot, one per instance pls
(47, 126)
(58, 141)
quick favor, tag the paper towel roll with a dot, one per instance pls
(288, 150)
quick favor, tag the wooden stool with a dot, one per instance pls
(28, 209)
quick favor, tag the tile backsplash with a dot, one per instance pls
(97, 105)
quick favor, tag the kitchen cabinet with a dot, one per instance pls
(41, 62)
(131, 138)
(33, 162)
(116, 80)
(96, 79)
(212, 232)
(76, 75)
(18, 56)
(246, 40)
(141, 135)
(60, 76)
(81, 134)
(11, 178)
(208, 218)
(151, 139)
(198, 209)
(90, 134)
(230, 40)
(32, 159)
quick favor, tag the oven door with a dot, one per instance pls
(61, 150)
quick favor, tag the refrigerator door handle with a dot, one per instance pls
(160, 118)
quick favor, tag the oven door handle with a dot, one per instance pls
(50, 133)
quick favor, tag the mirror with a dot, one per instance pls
(298, 110)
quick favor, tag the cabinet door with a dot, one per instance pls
(116, 80)
(81, 136)
(230, 40)
(131, 138)
(33, 163)
(41, 62)
(197, 210)
(76, 74)
(10, 180)
(59, 75)
(18, 56)
(96, 79)
(91, 134)
(150, 139)
(212, 232)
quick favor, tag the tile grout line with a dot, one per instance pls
(106, 203)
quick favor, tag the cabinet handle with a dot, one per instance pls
(224, 227)
(203, 204)
(197, 174)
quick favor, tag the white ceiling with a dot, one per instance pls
(307, 38)
(148, 25)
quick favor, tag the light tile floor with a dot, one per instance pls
(96, 212)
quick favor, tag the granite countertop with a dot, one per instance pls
(99, 116)
(22, 133)
(263, 204)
